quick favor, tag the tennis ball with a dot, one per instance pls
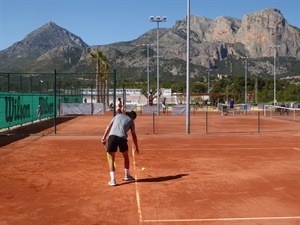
(143, 168)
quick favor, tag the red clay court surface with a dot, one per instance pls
(232, 175)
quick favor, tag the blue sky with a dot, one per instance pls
(100, 22)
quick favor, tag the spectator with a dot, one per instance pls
(164, 106)
(119, 106)
(111, 106)
(39, 111)
(231, 105)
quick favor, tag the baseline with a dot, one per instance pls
(226, 219)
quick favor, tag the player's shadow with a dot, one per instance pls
(155, 179)
(161, 179)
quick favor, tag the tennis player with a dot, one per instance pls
(117, 130)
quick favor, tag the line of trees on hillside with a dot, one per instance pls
(262, 89)
(287, 90)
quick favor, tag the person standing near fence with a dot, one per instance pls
(164, 106)
(117, 138)
(39, 111)
(231, 106)
(119, 106)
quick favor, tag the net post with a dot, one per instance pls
(294, 114)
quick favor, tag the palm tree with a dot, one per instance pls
(100, 58)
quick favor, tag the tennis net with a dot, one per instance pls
(280, 112)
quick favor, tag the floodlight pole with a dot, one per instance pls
(230, 73)
(246, 78)
(158, 20)
(40, 81)
(8, 83)
(274, 70)
(208, 82)
(246, 74)
(148, 85)
(188, 69)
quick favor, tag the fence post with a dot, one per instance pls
(92, 102)
(20, 84)
(55, 108)
(258, 122)
(115, 87)
(206, 122)
(153, 125)
(8, 85)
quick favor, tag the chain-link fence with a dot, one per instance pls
(29, 97)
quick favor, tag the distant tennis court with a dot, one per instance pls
(241, 169)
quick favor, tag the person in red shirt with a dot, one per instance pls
(119, 106)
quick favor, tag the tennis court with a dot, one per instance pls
(225, 173)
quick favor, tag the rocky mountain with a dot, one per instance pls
(213, 44)
(39, 44)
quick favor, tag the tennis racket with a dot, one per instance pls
(108, 155)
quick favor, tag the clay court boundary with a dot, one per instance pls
(219, 178)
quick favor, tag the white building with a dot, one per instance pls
(131, 91)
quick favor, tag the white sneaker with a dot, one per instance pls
(128, 177)
(112, 183)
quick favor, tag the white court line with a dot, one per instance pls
(297, 149)
(225, 219)
(210, 149)
(138, 200)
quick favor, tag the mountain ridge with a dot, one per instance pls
(211, 42)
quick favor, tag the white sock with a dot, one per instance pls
(126, 172)
(112, 175)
